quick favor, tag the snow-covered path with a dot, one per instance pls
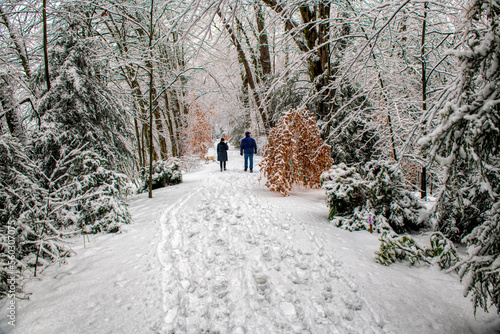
(221, 254)
(232, 263)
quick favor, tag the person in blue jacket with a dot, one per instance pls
(249, 147)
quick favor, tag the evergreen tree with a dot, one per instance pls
(79, 109)
(467, 143)
(20, 199)
(66, 182)
(353, 140)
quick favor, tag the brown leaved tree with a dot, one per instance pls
(295, 153)
(198, 132)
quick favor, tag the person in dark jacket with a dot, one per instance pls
(249, 147)
(222, 148)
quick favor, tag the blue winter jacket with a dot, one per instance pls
(248, 145)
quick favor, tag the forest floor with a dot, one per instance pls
(219, 253)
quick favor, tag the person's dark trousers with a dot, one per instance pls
(221, 164)
(248, 157)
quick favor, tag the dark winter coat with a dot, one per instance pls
(248, 146)
(222, 151)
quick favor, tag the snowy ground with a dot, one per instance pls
(219, 253)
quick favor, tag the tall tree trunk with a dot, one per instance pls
(423, 175)
(157, 116)
(145, 142)
(130, 74)
(310, 38)
(8, 103)
(166, 54)
(168, 119)
(253, 54)
(265, 58)
(423, 60)
(260, 80)
(248, 72)
(177, 119)
(18, 44)
(139, 98)
(150, 45)
(139, 150)
(153, 109)
(382, 88)
(45, 46)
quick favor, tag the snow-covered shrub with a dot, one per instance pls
(189, 161)
(360, 220)
(101, 194)
(82, 138)
(377, 189)
(394, 247)
(345, 189)
(166, 173)
(443, 250)
(295, 153)
(80, 194)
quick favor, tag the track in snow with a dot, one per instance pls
(234, 264)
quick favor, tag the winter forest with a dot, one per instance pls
(385, 105)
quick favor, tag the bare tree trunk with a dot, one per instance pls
(137, 93)
(423, 60)
(179, 95)
(260, 80)
(389, 120)
(157, 116)
(153, 109)
(168, 112)
(18, 44)
(145, 142)
(8, 103)
(176, 120)
(423, 175)
(45, 46)
(315, 31)
(382, 88)
(130, 74)
(253, 54)
(265, 59)
(139, 151)
(168, 119)
(248, 72)
(151, 100)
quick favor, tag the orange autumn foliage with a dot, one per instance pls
(198, 133)
(295, 153)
